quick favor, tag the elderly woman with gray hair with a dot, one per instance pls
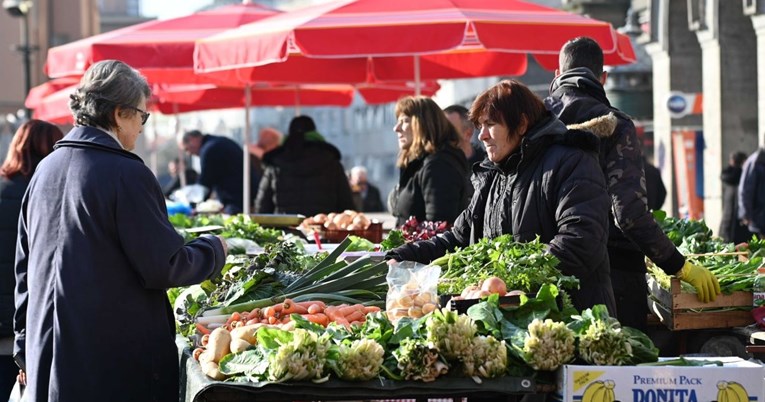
(96, 254)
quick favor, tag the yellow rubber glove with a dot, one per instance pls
(707, 287)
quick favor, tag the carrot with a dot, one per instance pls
(371, 309)
(205, 339)
(253, 321)
(307, 304)
(290, 307)
(342, 321)
(318, 318)
(272, 320)
(197, 352)
(255, 313)
(273, 311)
(202, 329)
(236, 316)
(356, 315)
(315, 308)
(346, 310)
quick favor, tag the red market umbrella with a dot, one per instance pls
(162, 50)
(359, 40)
(53, 105)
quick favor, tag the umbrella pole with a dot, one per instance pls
(297, 101)
(181, 152)
(417, 89)
(246, 149)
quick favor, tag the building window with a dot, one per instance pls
(133, 7)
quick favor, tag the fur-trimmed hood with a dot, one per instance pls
(602, 126)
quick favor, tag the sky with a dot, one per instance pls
(171, 8)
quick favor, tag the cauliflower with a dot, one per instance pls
(548, 345)
(605, 343)
(487, 357)
(451, 332)
(419, 360)
(360, 360)
(300, 358)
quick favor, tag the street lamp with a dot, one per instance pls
(16, 9)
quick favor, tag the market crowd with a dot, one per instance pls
(85, 237)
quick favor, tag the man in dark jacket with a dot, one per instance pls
(576, 96)
(458, 115)
(366, 196)
(731, 228)
(304, 175)
(222, 168)
(751, 193)
(656, 193)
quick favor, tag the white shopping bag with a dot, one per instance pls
(17, 393)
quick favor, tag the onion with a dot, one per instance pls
(494, 285)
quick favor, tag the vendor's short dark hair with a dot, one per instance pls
(105, 86)
(508, 102)
(581, 52)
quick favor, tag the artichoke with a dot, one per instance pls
(301, 358)
(548, 345)
(451, 332)
(605, 344)
(418, 359)
(488, 357)
(360, 360)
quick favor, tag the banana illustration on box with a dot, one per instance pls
(730, 391)
(600, 391)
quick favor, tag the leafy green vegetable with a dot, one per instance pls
(394, 239)
(522, 266)
(360, 244)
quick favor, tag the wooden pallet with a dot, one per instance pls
(679, 311)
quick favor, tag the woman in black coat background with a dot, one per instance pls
(32, 142)
(434, 181)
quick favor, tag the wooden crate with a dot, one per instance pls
(679, 311)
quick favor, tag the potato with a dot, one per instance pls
(247, 333)
(320, 218)
(219, 344)
(353, 226)
(423, 298)
(330, 225)
(239, 345)
(415, 312)
(428, 308)
(211, 370)
(405, 301)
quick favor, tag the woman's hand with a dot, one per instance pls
(22, 377)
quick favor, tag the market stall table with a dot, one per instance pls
(196, 387)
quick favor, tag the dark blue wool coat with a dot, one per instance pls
(96, 254)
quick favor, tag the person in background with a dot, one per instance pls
(539, 179)
(577, 96)
(434, 180)
(731, 229)
(268, 139)
(222, 168)
(656, 193)
(304, 175)
(175, 180)
(458, 115)
(32, 142)
(369, 199)
(96, 255)
(751, 193)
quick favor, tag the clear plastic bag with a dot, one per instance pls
(412, 290)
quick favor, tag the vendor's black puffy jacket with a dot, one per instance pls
(435, 187)
(552, 188)
(577, 97)
(305, 180)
